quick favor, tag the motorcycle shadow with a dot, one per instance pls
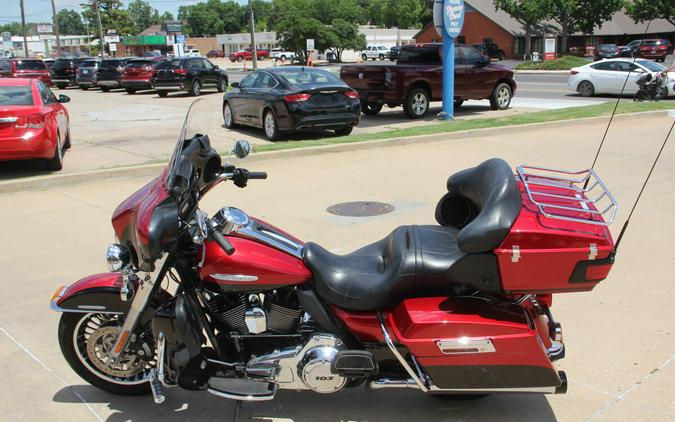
(290, 406)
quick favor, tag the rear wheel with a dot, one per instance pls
(105, 89)
(344, 131)
(270, 126)
(62, 86)
(381, 57)
(222, 85)
(84, 87)
(162, 93)
(261, 58)
(586, 89)
(85, 340)
(196, 88)
(416, 104)
(228, 116)
(66, 143)
(501, 97)
(371, 109)
(131, 91)
(240, 59)
(56, 162)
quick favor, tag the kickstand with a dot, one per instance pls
(236, 410)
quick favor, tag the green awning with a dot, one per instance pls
(145, 40)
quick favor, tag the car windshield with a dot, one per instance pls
(63, 64)
(89, 63)
(170, 64)
(16, 96)
(138, 63)
(650, 65)
(651, 43)
(30, 65)
(607, 47)
(111, 63)
(307, 76)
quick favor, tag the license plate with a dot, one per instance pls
(84, 72)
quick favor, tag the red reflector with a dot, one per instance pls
(296, 98)
(181, 71)
(662, 47)
(573, 72)
(352, 94)
(597, 272)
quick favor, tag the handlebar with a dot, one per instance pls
(225, 244)
(257, 175)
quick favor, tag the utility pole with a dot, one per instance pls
(23, 29)
(88, 40)
(100, 27)
(254, 49)
(55, 18)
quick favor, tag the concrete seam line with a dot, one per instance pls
(632, 388)
(61, 380)
(45, 182)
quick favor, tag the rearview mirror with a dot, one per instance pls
(235, 85)
(215, 66)
(484, 61)
(241, 149)
(638, 70)
(64, 98)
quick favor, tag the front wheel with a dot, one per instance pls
(162, 93)
(105, 89)
(344, 131)
(131, 91)
(381, 57)
(364, 57)
(85, 340)
(501, 97)
(62, 86)
(222, 85)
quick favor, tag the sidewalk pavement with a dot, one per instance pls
(620, 340)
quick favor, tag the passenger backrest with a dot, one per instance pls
(492, 188)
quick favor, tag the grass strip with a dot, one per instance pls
(570, 113)
(563, 63)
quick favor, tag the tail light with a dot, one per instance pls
(574, 72)
(181, 71)
(34, 121)
(297, 98)
(354, 95)
(662, 47)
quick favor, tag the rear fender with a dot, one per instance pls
(99, 293)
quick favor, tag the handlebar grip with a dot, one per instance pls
(257, 175)
(225, 244)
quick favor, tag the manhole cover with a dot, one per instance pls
(360, 209)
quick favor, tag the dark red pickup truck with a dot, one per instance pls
(416, 80)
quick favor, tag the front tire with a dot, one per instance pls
(364, 57)
(196, 88)
(501, 97)
(416, 104)
(222, 85)
(75, 331)
(105, 89)
(62, 86)
(162, 93)
(270, 126)
(344, 131)
(131, 91)
(381, 57)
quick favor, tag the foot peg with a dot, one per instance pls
(156, 387)
(242, 389)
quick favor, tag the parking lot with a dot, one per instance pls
(619, 338)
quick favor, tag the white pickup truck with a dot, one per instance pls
(375, 52)
(280, 54)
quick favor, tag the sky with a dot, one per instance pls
(41, 10)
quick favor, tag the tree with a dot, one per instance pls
(70, 22)
(113, 16)
(142, 15)
(646, 10)
(345, 36)
(213, 17)
(262, 10)
(166, 16)
(294, 30)
(528, 13)
(395, 13)
(582, 15)
(328, 10)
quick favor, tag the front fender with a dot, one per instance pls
(98, 293)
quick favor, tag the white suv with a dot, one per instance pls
(279, 54)
(375, 52)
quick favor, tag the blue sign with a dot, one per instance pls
(180, 39)
(453, 17)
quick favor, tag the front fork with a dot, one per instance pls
(146, 289)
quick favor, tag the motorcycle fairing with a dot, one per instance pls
(98, 293)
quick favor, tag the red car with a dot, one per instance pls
(655, 49)
(33, 122)
(25, 68)
(247, 54)
(139, 74)
(215, 54)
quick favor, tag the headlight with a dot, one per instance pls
(118, 257)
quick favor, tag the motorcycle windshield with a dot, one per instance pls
(197, 122)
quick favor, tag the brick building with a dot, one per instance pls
(482, 23)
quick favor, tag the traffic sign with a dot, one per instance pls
(111, 38)
(310, 44)
(453, 17)
(112, 47)
(180, 39)
(438, 16)
(44, 29)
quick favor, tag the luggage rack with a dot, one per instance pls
(566, 195)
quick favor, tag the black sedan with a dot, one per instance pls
(292, 98)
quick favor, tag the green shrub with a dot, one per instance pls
(563, 63)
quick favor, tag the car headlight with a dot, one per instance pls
(118, 257)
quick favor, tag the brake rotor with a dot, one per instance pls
(100, 343)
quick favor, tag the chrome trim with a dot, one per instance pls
(261, 233)
(232, 396)
(8, 119)
(56, 308)
(515, 253)
(544, 390)
(92, 307)
(156, 388)
(466, 345)
(117, 256)
(383, 383)
(161, 351)
(256, 320)
(234, 277)
(398, 356)
(556, 350)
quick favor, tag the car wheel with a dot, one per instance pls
(586, 89)
(222, 85)
(131, 91)
(270, 126)
(240, 59)
(371, 109)
(458, 103)
(228, 116)
(381, 57)
(283, 58)
(261, 58)
(416, 104)
(62, 86)
(196, 88)
(501, 97)
(105, 89)
(56, 162)
(162, 93)
(66, 144)
(364, 57)
(501, 56)
(84, 87)
(344, 131)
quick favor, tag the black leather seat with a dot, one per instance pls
(418, 261)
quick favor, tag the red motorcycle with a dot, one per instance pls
(235, 306)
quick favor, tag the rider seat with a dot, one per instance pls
(418, 261)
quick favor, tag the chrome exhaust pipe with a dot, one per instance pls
(383, 383)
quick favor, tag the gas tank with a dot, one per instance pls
(265, 258)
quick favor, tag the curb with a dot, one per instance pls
(150, 170)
